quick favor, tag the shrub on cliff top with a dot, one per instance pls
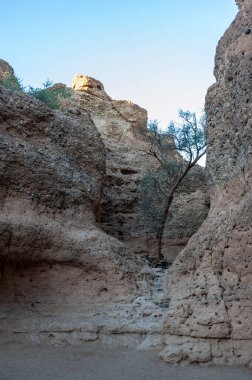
(12, 83)
(49, 95)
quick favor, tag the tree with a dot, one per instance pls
(187, 138)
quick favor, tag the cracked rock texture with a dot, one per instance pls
(210, 282)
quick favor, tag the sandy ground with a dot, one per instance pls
(93, 361)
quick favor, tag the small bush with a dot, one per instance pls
(49, 95)
(12, 83)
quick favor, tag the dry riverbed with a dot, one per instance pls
(94, 361)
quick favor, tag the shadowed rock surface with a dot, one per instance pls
(210, 282)
(63, 175)
(54, 259)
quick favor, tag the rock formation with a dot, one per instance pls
(6, 70)
(51, 250)
(70, 223)
(210, 282)
(70, 220)
(122, 125)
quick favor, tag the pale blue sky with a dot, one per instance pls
(157, 53)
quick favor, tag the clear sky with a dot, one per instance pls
(157, 53)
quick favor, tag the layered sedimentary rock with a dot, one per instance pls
(210, 282)
(54, 259)
(122, 126)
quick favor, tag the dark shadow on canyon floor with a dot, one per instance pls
(93, 361)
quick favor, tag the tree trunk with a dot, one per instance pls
(160, 231)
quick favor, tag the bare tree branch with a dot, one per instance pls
(187, 137)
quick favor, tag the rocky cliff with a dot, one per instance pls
(70, 222)
(55, 260)
(122, 125)
(210, 282)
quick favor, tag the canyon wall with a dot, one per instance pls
(55, 261)
(210, 282)
(70, 222)
(122, 125)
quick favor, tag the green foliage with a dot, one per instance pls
(158, 188)
(12, 83)
(186, 137)
(50, 96)
(189, 134)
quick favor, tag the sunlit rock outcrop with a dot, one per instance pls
(6, 70)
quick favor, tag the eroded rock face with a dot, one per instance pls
(63, 174)
(55, 262)
(6, 70)
(210, 283)
(122, 125)
(51, 166)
